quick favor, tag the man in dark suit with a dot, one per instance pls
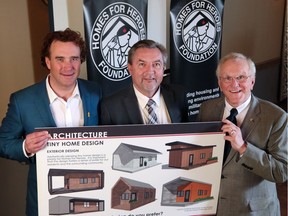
(61, 100)
(146, 64)
(258, 157)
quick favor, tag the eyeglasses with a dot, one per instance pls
(239, 79)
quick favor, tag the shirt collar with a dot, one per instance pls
(53, 96)
(239, 108)
(142, 99)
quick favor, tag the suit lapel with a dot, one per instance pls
(251, 118)
(218, 110)
(131, 105)
(250, 121)
(85, 101)
(217, 113)
(170, 104)
(42, 105)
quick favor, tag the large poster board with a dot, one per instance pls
(133, 170)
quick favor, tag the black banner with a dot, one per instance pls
(196, 28)
(111, 28)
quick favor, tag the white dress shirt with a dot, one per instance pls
(66, 113)
(160, 108)
(242, 111)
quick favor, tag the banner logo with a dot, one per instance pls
(115, 30)
(197, 31)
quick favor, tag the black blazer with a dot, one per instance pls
(122, 107)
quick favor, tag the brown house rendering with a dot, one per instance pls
(187, 156)
(128, 194)
(183, 192)
(74, 205)
(66, 180)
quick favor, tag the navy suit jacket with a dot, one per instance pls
(248, 183)
(122, 107)
(29, 109)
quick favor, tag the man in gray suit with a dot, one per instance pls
(258, 157)
(60, 100)
(146, 64)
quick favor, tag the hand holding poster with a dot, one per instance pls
(149, 170)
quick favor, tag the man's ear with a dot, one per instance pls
(252, 83)
(219, 85)
(129, 67)
(47, 61)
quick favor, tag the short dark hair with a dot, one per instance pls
(148, 44)
(67, 35)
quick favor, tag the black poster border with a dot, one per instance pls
(142, 130)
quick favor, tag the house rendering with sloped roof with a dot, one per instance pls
(132, 158)
(187, 156)
(128, 194)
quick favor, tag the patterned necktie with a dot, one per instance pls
(232, 118)
(152, 117)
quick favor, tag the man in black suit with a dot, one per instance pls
(146, 64)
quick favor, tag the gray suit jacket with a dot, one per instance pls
(29, 109)
(122, 107)
(248, 183)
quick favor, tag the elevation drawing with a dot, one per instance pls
(183, 192)
(74, 205)
(131, 158)
(68, 180)
(128, 194)
(187, 156)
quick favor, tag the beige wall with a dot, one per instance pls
(251, 26)
(23, 24)
(15, 52)
(16, 72)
